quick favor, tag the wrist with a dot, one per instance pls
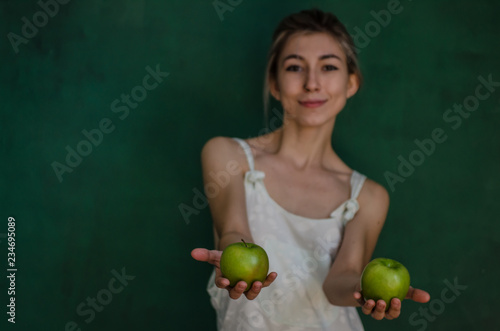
(232, 237)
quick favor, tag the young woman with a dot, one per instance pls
(289, 192)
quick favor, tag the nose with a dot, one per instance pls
(311, 83)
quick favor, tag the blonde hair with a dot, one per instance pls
(308, 21)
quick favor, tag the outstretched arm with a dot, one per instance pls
(222, 158)
(360, 237)
(342, 285)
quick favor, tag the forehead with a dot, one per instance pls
(312, 45)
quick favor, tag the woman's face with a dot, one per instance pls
(313, 83)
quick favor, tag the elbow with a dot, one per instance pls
(328, 293)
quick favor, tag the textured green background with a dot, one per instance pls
(119, 207)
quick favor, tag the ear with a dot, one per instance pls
(274, 89)
(352, 85)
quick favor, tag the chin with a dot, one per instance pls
(314, 122)
(312, 119)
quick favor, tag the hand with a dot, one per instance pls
(377, 310)
(213, 257)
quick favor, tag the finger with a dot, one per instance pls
(394, 309)
(379, 311)
(269, 279)
(204, 255)
(418, 295)
(367, 308)
(237, 291)
(254, 290)
(359, 298)
(222, 282)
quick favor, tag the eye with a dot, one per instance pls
(330, 67)
(294, 68)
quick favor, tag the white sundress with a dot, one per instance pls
(301, 250)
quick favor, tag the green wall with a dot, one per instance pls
(119, 206)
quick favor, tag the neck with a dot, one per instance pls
(305, 147)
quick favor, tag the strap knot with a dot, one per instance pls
(351, 207)
(254, 175)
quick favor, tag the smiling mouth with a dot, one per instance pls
(312, 103)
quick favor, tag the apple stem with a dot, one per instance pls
(244, 243)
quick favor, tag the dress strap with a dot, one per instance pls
(352, 205)
(357, 181)
(248, 152)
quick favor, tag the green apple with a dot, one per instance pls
(244, 261)
(384, 279)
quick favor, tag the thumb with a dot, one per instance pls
(200, 254)
(204, 255)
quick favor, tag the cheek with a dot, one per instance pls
(289, 89)
(290, 85)
(337, 86)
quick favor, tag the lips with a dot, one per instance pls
(312, 103)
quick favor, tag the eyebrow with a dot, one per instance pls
(322, 57)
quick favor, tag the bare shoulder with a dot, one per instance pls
(222, 152)
(374, 197)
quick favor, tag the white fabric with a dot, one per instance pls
(301, 250)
